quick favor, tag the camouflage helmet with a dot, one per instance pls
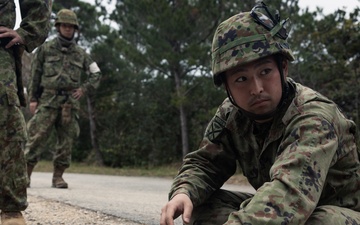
(67, 16)
(246, 37)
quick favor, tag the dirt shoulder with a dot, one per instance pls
(44, 212)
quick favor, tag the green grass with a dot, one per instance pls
(168, 171)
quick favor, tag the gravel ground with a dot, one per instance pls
(43, 211)
(47, 212)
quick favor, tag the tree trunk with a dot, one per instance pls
(94, 142)
(183, 119)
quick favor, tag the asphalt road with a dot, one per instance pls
(137, 199)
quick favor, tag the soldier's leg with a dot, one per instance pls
(67, 133)
(334, 215)
(13, 197)
(39, 128)
(216, 210)
(13, 178)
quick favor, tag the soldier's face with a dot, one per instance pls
(67, 30)
(256, 87)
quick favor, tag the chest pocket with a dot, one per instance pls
(52, 66)
(76, 69)
(7, 13)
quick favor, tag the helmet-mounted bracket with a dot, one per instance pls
(271, 21)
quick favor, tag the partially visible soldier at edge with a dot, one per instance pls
(293, 144)
(55, 89)
(32, 32)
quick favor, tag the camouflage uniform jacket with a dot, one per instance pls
(60, 68)
(309, 158)
(33, 30)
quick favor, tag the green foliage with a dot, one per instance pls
(329, 57)
(169, 41)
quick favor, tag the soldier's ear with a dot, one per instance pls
(285, 66)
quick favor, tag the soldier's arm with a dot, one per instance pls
(297, 177)
(94, 76)
(206, 170)
(35, 89)
(34, 26)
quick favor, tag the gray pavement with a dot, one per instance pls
(138, 199)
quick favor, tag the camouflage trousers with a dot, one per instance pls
(39, 128)
(216, 210)
(13, 177)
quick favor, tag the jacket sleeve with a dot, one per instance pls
(34, 26)
(94, 75)
(36, 73)
(206, 170)
(298, 175)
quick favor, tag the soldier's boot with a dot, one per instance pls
(57, 180)
(12, 218)
(30, 169)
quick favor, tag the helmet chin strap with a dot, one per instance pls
(268, 115)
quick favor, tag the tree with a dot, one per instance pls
(328, 57)
(171, 39)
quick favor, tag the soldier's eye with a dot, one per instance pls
(265, 71)
(241, 79)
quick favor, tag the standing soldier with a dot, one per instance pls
(54, 90)
(32, 32)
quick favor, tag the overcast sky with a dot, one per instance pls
(329, 6)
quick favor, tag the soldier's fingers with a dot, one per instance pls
(14, 36)
(32, 107)
(11, 43)
(76, 95)
(3, 30)
(188, 208)
(166, 216)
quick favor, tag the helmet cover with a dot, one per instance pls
(67, 16)
(241, 39)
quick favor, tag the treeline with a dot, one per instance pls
(156, 95)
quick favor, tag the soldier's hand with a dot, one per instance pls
(33, 106)
(180, 204)
(77, 93)
(12, 34)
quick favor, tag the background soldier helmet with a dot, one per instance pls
(67, 16)
(246, 37)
